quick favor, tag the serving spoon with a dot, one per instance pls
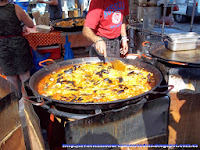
(117, 64)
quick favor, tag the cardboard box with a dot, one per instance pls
(41, 19)
(73, 13)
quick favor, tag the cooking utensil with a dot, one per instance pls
(117, 64)
(39, 75)
(159, 52)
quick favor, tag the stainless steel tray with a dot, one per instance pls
(182, 41)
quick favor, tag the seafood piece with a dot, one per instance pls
(120, 79)
(108, 80)
(73, 89)
(104, 71)
(69, 71)
(131, 73)
(76, 67)
(59, 80)
(100, 74)
(121, 91)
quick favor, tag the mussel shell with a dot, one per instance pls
(131, 73)
(68, 71)
(59, 80)
(76, 66)
(121, 91)
(108, 80)
(120, 79)
(104, 71)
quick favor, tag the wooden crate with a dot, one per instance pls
(11, 134)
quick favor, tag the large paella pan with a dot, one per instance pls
(37, 78)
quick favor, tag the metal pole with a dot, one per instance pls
(130, 12)
(130, 47)
(164, 14)
(171, 16)
(192, 19)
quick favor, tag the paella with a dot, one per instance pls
(95, 82)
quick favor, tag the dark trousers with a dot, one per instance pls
(112, 48)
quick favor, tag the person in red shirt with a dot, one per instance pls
(104, 25)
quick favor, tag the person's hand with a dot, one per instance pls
(124, 48)
(52, 28)
(100, 45)
(24, 30)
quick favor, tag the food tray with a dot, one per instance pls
(43, 28)
(73, 28)
(189, 45)
(68, 29)
(182, 41)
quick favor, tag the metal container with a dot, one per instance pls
(182, 41)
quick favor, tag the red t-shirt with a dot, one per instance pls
(105, 17)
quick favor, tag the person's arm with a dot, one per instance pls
(23, 16)
(124, 39)
(123, 28)
(51, 2)
(100, 45)
(90, 35)
(91, 23)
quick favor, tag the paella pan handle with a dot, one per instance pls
(170, 62)
(97, 111)
(54, 111)
(132, 56)
(66, 114)
(148, 57)
(36, 103)
(48, 61)
(177, 63)
(140, 103)
(164, 92)
(144, 43)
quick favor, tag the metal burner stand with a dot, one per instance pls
(123, 126)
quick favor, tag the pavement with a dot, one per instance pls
(186, 26)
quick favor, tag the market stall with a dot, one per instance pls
(166, 114)
(64, 32)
